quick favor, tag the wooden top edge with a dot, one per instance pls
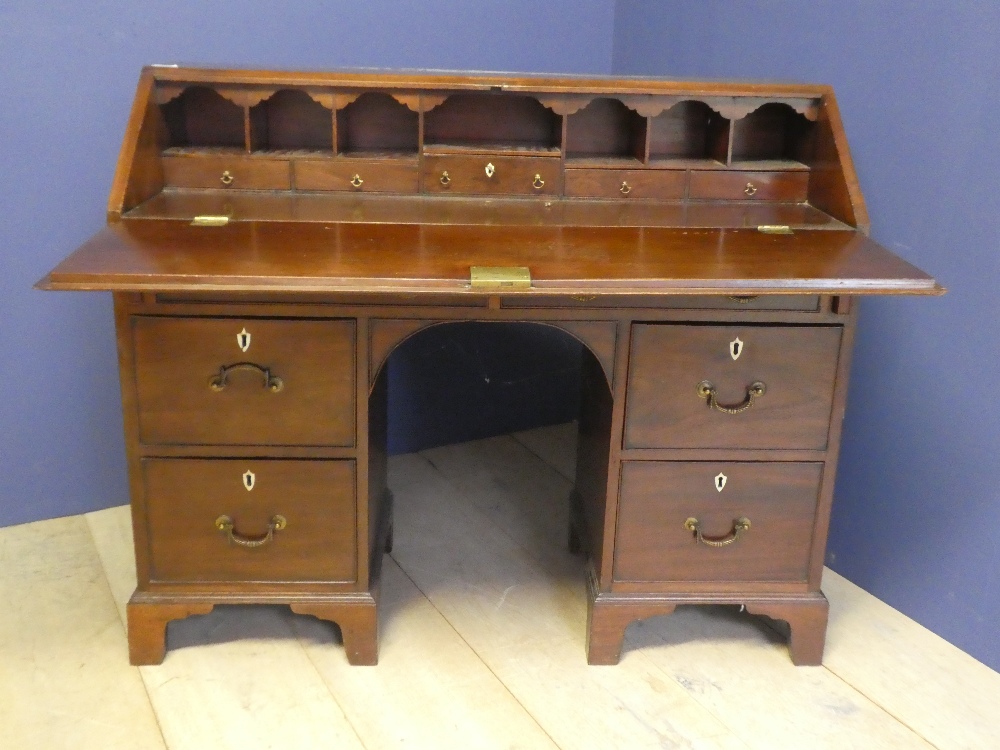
(475, 81)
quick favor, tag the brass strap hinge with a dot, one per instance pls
(515, 277)
(207, 220)
(774, 229)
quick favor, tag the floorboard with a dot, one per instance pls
(483, 613)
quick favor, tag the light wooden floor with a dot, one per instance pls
(483, 616)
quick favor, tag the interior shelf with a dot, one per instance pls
(773, 133)
(200, 117)
(377, 123)
(290, 120)
(606, 129)
(691, 131)
(476, 121)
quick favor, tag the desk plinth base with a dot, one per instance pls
(608, 615)
(356, 614)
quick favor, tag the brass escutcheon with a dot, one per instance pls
(538, 183)
(357, 181)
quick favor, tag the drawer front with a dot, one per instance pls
(212, 381)
(357, 175)
(666, 408)
(511, 175)
(654, 542)
(805, 303)
(186, 497)
(633, 184)
(226, 172)
(745, 186)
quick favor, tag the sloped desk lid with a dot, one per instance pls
(164, 255)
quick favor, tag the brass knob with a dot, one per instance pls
(490, 169)
(625, 189)
(750, 190)
(445, 179)
(357, 181)
(227, 178)
(538, 183)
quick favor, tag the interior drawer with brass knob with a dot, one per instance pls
(244, 381)
(490, 174)
(788, 187)
(731, 386)
(716, 521)
(250, 520)
(226, 172)
(632, 184)
(357, 175)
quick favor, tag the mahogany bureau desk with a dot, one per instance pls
(273, 236)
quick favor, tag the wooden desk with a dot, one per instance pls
(273, 237)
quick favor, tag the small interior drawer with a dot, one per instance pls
(631, 184)
(655, 542)
(244, 381)
(226, 172)
(790, 187)
(492, 175)
(667, 407)
(766, 302)
(186, 498)
(357, 175)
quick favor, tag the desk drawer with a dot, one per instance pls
(511, 175)
(791, 187)
(633, 184)
(226, 172)
(797, 366)
(657, 498)
(357, 175)
(186, 497)
(805, 303)
(244, 381)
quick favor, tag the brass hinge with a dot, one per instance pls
(500, 276)
(775, 229)
(209, 221)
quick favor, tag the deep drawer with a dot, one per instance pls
(657, 498)
(666, 408)
(226, 172)
(789, 187)
(511, 175)
(185, 498)
(633, 184)
(294, 384)
(357, 175)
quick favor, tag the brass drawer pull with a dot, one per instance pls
(227, 178)
(750, 190)
(445, 179)
(743, 298)
(707, 390)
(538, 183)
(357, 181)
(740, 525)
(271, 382)
(625, 189)
(225, 525)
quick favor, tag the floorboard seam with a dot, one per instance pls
(124, 624)
(542, 458)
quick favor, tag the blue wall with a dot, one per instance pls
(69, 71)
(918, 491)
